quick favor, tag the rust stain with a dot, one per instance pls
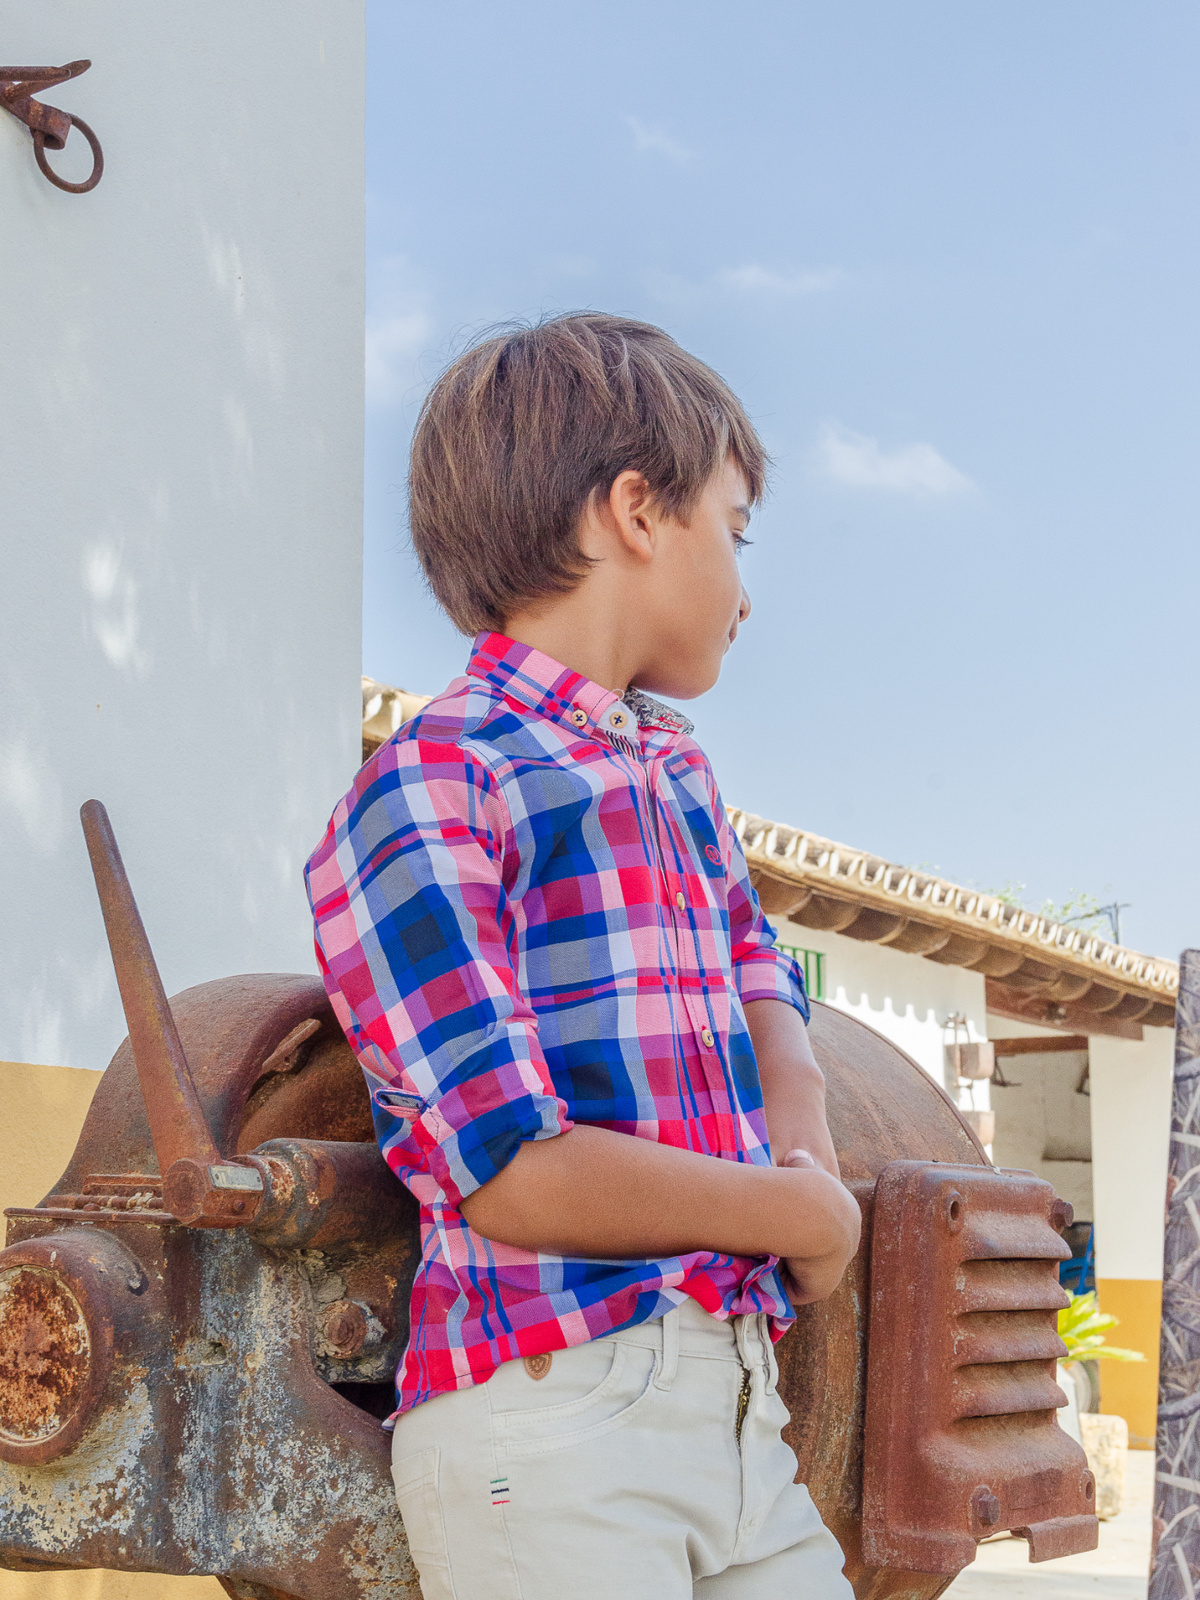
(44, 1354)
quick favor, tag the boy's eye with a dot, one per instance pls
(740, 542)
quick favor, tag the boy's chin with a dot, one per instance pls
(677, 685)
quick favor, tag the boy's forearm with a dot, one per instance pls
(792, 1083)
(593, 1192)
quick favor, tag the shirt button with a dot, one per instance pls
(579, 718)
(617, 719)
(680, 901)
(707, 1039)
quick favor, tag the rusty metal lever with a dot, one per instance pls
(199, 1186)
(49, 126)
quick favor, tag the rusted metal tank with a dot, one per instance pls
(198, 1325)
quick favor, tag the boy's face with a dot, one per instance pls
(695, 593)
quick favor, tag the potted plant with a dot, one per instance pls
(1082, 1327)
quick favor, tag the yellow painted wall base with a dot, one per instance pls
(1130, 1389)
(41, 1112)
(96, 1585)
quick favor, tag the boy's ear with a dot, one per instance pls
(631, 514)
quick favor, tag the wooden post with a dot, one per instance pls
(1175, 1553)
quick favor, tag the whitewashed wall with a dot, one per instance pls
(905, 997)
(181, 466)
(1131, 1130)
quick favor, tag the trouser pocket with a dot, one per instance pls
(419, 1498)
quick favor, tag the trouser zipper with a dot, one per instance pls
(743, 1400)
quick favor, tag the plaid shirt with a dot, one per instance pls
(531, 911)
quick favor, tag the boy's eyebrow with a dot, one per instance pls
(743, 512)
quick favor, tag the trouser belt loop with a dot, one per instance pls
(669, 1365)
(768, 1346)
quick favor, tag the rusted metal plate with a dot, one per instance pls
(962, 1437)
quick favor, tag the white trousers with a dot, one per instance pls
(644, 1466)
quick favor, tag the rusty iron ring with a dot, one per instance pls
(39, 151)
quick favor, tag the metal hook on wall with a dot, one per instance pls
(50, 127)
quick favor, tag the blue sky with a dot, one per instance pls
(947, 254)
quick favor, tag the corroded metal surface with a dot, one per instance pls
(1175, 1563)
(45, 1355)
(231, 1436)
(962, 1437)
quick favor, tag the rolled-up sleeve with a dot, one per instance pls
(416, 942)
(761, 970)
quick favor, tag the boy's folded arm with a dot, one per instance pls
(594, 1192)
(771, 989)
(793, 1085)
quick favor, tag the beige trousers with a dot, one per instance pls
(623, 1473)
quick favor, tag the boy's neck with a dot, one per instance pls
(584, 633)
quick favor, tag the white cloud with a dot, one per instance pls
(649, 138)
(748, 280)
(857, 460)
(753, 279)
(399, 329)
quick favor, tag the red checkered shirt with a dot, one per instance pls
(531, 911)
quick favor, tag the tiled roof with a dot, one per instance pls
(1045, 970)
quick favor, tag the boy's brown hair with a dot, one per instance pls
(517, 434)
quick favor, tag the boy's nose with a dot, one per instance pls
(744, 608)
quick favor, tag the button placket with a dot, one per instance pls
(716, 1082)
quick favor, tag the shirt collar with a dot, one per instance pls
(552, 690)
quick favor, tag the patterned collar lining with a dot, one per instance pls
(652, 713)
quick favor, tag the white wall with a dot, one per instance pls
(1040, 1114)
(1131, 1127)
(904, 997)
(181, 464)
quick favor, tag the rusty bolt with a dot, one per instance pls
(344, 1327)
(1088, 1484)
(954, 1210)
(985, 1506)
(1062, 1215)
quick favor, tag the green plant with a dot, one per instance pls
(1079, 909)
(1012, 894)
(1081, 1328)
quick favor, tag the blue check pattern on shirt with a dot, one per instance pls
(531, 911)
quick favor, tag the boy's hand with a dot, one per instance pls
(808, 1279)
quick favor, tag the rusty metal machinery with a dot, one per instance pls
(199, 1324)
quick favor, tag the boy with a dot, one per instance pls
(538, 931)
